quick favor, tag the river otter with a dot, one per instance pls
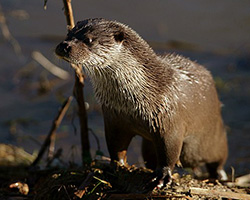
(168, 100)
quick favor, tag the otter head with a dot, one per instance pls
(92, 42)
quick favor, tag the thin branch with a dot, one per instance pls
(243, 179)
(53, 129)
(82, 113)
(82, 188)
(42, 60)
(143, 196)
(217, 193)
(45, 4)
(69, 14)
(78, 92)
(57, 155)
(7, 35)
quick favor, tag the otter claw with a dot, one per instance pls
(163, 177)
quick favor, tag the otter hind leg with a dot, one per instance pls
(216, 171)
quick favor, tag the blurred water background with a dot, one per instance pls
(214, 33)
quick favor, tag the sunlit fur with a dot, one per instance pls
(169, 99)
(134, 92)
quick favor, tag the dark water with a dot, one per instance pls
(214, 33)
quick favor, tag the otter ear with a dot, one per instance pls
(119, 36)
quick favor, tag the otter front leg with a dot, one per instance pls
(168, 148)
(118, 136)
(118, 142)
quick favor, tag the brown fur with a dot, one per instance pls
(170, 101)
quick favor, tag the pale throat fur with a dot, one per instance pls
(127, 89)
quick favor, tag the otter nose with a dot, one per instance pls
(63, 49)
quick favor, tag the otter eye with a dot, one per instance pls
(119, 37)
(87, 41)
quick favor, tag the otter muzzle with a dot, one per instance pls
(63, 50)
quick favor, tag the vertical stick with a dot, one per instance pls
(51, 135)
(78, 92)
(69, 14)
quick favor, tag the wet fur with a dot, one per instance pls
(170, 101)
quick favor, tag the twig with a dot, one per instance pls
(53, 129)
(51, 150)
(143, 196)
(57, 155)
(69, 14)
(233, 174)
(216, 193)
(45, 4)
(66, 191)
(82, 188)
(193, 191)
(7, 35)
(78, 92)
(60, 73)
(243, 180)
(87, 180)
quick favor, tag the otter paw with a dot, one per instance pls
(163, 177)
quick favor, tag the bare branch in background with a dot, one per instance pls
(7, 35)
(51, 135)
(42, 60)
(45, 4)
